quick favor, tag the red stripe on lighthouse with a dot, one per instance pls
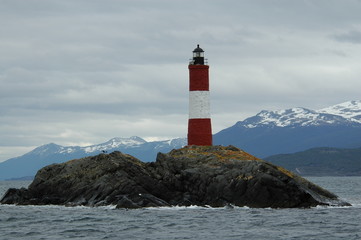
(198, 75)
(200, 132)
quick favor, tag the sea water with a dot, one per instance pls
(59, 222)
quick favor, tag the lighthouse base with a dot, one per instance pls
(200, 132)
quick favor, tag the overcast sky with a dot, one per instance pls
(79, 72)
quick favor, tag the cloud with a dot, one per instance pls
(349, 37)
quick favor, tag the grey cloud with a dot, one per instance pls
(349, 37)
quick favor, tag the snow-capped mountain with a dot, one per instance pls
(344, 113)
(349, 110)
(29, 163)
(291, 118)
(114, 144)
(296, 129)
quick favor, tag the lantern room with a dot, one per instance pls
(198, 56)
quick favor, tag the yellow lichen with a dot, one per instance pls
(288, 173)
(245, 178)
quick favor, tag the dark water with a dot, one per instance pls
(56, 222)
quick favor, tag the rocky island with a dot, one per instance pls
(214, 176)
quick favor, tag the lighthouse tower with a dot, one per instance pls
(199, 123)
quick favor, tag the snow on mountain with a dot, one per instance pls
(172, 143)
(350, 110)
(344, 113)
(46, 149)
(115, 143)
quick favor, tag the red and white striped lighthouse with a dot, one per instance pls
(199, 123)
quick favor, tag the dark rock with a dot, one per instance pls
(213, 176)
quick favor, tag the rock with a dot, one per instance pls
(213, 176)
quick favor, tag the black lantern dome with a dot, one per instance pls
(198, 56)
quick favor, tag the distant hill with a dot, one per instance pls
(321, 162)
(29, 163)
(296, 129)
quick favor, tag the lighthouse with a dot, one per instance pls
(199, 122)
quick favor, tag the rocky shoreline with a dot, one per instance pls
(214, 176)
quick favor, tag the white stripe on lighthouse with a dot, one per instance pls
(199, 106)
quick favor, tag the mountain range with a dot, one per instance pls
(296, 129)
(29, 163)
(265, 134)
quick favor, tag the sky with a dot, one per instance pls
(80, 72)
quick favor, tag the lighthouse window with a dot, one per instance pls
(198, 54)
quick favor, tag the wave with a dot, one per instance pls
(114, 207)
